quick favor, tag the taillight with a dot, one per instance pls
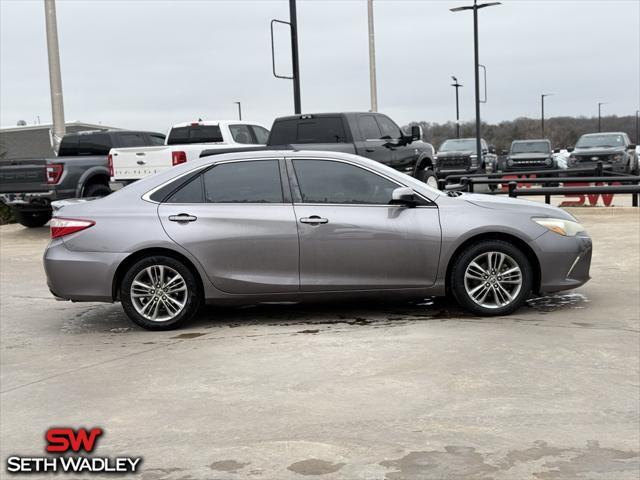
(178, 157)
(53, 172)
(110, 164)
(65, 226)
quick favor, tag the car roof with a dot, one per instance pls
(216, 123)
(534, 140)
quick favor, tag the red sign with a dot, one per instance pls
(64, 439)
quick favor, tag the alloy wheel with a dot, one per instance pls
(493, 280)
(159, 293)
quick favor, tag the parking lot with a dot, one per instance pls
(368, 391)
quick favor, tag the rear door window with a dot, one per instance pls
(369, 127)
(192, 192)
(156, 139)
(255, 181)
(241, 133)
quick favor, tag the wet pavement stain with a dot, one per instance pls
(560, 463)
(314, 466)
(183, 336)
(308, 331)
(454, 462)
(230, 466)
(551, 303)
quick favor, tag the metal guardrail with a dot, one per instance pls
(602, 175)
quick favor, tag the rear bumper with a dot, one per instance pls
(564, 261)
(80, 276)
(35, 200)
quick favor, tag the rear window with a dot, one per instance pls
(194, 134)
(132, 140)
(311, 130)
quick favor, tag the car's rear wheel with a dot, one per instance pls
(159, 293)
(491, 277)
(32, 219)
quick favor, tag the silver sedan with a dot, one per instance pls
(278, 226)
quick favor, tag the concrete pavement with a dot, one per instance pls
(348, 391)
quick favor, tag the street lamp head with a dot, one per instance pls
(475, 6)
(454, 79)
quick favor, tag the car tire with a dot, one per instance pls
(428, 176)
(171, 294)
(96, 190)
(32, 219)
(505, 287)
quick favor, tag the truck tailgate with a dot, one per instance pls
(138, 162)
(23, 175)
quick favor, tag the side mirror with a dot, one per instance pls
(492, 149)
(403, 196)
(569, 149)
(416, 133)
(556, 150)
(631, 147)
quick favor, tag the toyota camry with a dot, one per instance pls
(283, 226)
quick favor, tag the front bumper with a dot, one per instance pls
(442, 171)
(564, 261)
(80, 276)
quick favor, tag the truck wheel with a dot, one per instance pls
(428, 176)
(32, 219)
(96, 190)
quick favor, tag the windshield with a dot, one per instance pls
(607, 140)
(462, 144)
(194, 134)
(530, 147)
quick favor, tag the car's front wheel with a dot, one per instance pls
(159, 293)
(428, 176)
(491, 277)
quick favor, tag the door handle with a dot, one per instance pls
(141, 162)
(140, 154)
(183, 217)
(313, 220)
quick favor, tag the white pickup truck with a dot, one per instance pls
(184, 142)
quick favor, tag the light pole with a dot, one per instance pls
(372, 58)
(457, 85)
(637, 127)
(239, 110)
(293, 18)
(55, 78)
(600, 115)
(542, 105)
(475, 9)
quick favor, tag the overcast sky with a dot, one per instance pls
(147, 64)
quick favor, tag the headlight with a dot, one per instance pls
(566, 228)
(548, 161)
(572, 160)
(510, 162)
(617, 157)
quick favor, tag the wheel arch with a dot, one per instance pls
(507, 237)
(148, 252)
(95, 175)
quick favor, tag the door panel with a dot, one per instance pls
(243, 248)
(368, 247)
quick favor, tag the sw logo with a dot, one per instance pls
(68, 443)
(65, 439)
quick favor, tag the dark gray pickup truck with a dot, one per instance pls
(613, 149)
(530, 155)
(368, 134)
(81, 169)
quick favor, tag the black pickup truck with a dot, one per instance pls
(613, 149)
(368, 134)
(457, 156)
(81, 169)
